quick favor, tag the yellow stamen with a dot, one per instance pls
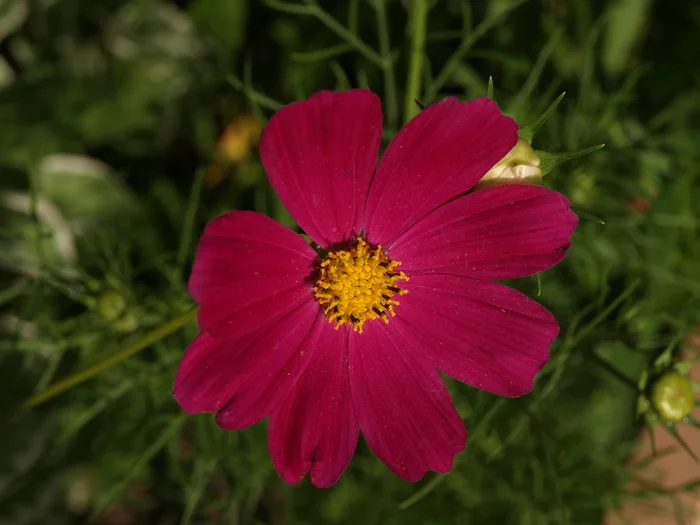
(358, 284)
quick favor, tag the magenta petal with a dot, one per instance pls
(440, 154)
(484, 334)
(269, 367)
(314, 429)
(266, 367)
(497, 233)
(213, 374)
(201, 384)
(405, 411)
(248, 271)
(320, 155)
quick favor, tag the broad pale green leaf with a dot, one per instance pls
(13, 14)
(83, 188)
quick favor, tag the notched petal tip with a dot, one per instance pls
(404, 409)
(314, 429)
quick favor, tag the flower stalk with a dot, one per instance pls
(91, 371)
(419, 22)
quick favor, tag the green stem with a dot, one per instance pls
(190, 217)
(254, 96)
(392, 109)
(611, 369)
(419, 22)
(91, 371)
(456, 59)
(136, 467)
(343, 32)
(34, 213)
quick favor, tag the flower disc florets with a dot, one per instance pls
(358, 284)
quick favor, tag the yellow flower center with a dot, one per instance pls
(358, 284)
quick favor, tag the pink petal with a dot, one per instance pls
(320, 155)
(405, 411)
(497, 233)
(438, 155)
(249, 270)
(214, 372)
(314, 429)
(484, 334)
(200, 384)
(271, 369)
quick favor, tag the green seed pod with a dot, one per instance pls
(672, 396)
(128, 323)
(111, 305)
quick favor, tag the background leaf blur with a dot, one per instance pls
(126, 126)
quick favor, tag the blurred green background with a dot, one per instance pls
(126, 126)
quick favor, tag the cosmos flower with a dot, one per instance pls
(349, 337)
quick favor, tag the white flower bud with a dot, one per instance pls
(520, 166)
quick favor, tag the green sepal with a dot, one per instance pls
(643, 380)
(643, 405)
(552, 160)
(489, 89)
(528, 132)
(683, 367)
(671, 429)
(585, 215)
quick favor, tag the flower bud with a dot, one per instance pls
(233, 147)
(127, 323)
(672, 396)
(520, 166)
(111, 305)
(239, 138)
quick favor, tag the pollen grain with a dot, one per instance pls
(358, 284)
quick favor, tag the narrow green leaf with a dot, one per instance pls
(535, 73)
(321, 54)
(253, 96)
(424, 491)
(672, 430)
(625, 27)
(362, 78)
(201, 477)
(489, 90)
(587, 216)
(651, 428)
(528, 132)
(342, 83)
(689, 486)
(666, 356)
(649, 459)
(552, 160)
(112, 493)
(186, 235)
